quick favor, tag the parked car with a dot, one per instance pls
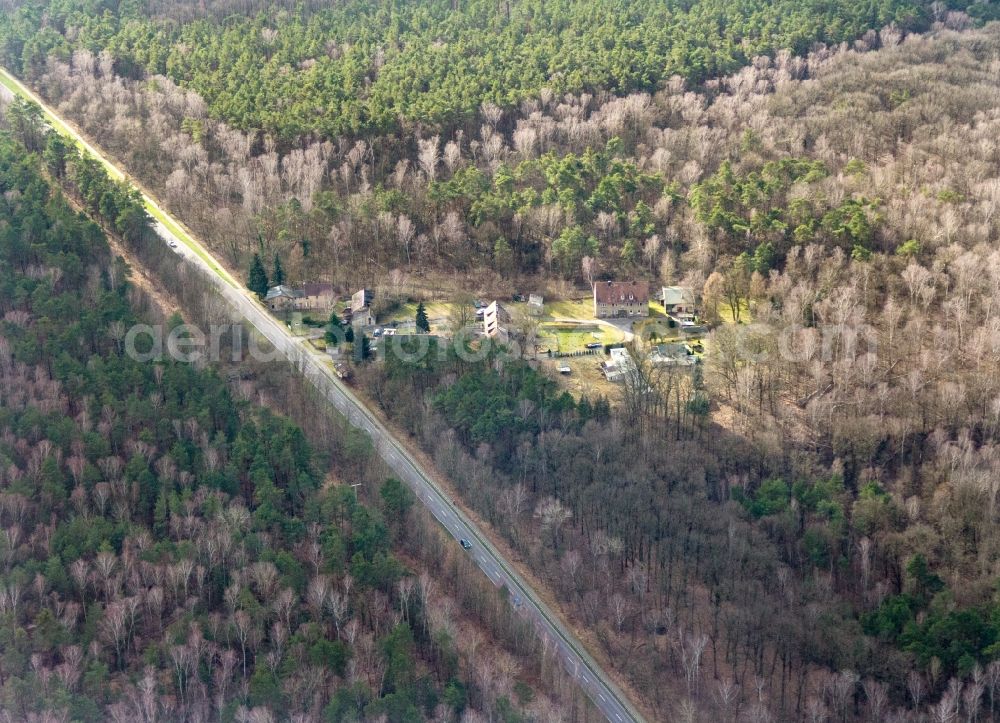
(594, 345)
(378, 332)
(465, 544)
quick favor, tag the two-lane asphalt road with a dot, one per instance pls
(317, 368)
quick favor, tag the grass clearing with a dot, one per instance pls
(727, 316)
(575, 337)
(434, 309)
(656, 309)
(657, 329)
(582, 309)
(439, 314)
(585, 377)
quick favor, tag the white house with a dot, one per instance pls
(620, 365)
(672, 355)
(678, 300)
(361, 308)
(496, 322)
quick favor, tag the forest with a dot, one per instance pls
(364, 68)
(567, 186)
(172, 549)
(805, 532)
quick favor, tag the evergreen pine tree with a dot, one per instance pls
(257, 278)
(362, 347)
(334, 330)
(279, 272)
(423, 324)
(161, 513)
(57, 150)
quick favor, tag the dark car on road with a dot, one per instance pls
(465, 544)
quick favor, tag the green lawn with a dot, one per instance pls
(659, 326)
(570, 309)
(727, 316)
(439, 313)
(575, 337)
(435, 310)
